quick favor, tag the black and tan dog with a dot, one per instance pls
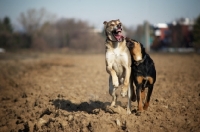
(143, 73)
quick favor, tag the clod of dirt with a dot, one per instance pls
(96, 111)
(90, 127)
(138, 113)
(116, 109)
(165, 106)
(70, 118)
(7, 98)
(45, 112)
(30, 125)
(40, 123)
(118, 122)
(24, 95)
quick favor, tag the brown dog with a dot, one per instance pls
(118, 61)
(143, 73)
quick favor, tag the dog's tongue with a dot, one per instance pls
(119, 36)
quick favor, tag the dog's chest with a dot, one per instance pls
(116, 52)
(116, 57)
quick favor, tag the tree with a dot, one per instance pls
(6, 37)
(11, 40)
(196, 33)
(33, 22)
(77, 34)
(33, 19)
(70, 33)
(5, 25)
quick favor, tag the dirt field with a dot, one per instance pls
(63, 92)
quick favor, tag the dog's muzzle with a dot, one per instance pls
(117, 33)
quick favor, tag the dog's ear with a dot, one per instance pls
(128, 39)
(105, 22)
(129, 44)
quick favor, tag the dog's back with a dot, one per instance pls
(145, 69)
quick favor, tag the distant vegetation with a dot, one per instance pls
(41, 31)
(11, 40)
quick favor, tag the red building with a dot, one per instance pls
(176, 34)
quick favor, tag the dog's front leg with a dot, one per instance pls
(150, 89)
(133, 87)
(113, 83)
(126, 81)
(113, 74)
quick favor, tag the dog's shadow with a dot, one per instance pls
(84, 106)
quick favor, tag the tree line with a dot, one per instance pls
(41, 32)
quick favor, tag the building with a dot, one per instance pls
(177, 34)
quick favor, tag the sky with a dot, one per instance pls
(130, 12)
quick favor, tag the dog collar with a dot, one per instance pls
(140, 61)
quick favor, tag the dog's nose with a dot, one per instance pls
(119, 26)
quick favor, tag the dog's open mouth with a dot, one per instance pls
(118, 34)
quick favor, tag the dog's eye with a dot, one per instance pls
(112, 25)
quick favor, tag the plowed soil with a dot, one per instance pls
(69, 92)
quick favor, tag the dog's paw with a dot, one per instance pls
(117, 109)
(124, 90)
(116, 84)
(112, 104)
(128, 111)
(123, 94)
(115, 81)
(145, 106)
(133, 98)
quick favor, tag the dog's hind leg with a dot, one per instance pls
(150, 89)
(138, 93)
(126, 83)
(112, 92)
(139, 98)
(143, 95)
(129, 100)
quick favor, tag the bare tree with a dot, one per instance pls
(69, 33)
(77, 34)
(33, 19)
